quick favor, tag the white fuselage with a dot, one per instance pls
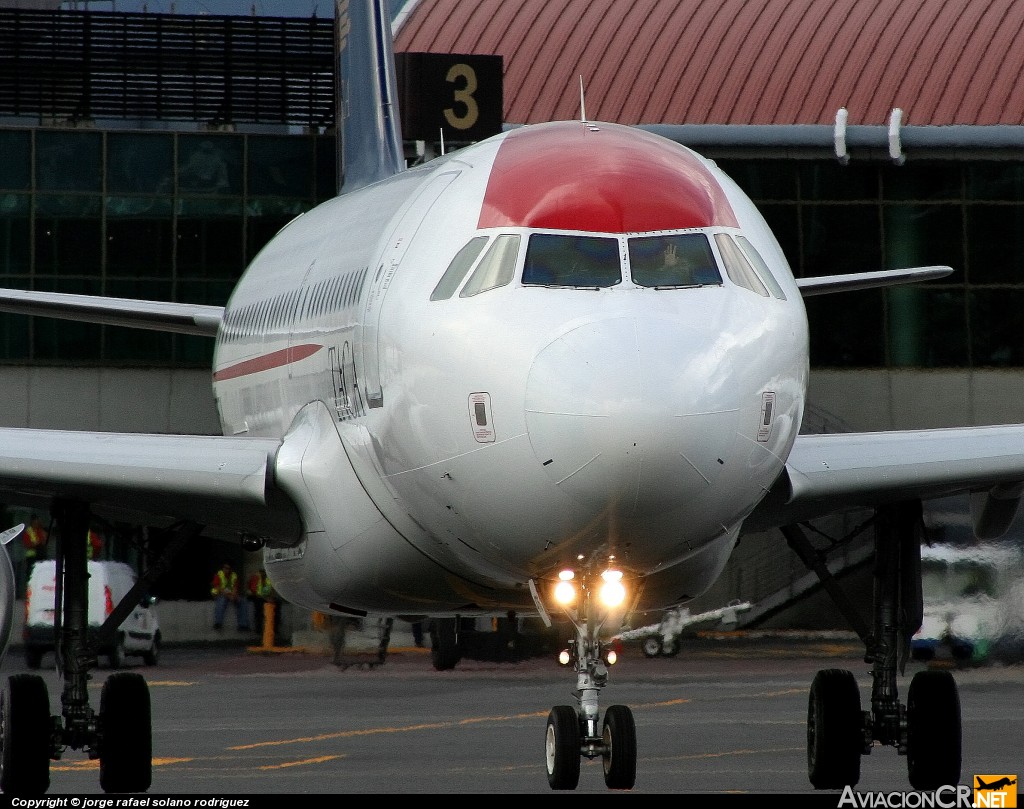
(506, 434)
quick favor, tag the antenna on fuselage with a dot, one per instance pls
(583, 104)
(442, 139)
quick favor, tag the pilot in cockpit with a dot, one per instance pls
(672, 261)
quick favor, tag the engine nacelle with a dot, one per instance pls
(993, 512)
(7, 589)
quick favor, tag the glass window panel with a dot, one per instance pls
(458, 268)
(281, 166)
(997, 323)
(921, 180)
(277, 207)
(14, 334)
(260, 230)
(840, 239)
(139, 247)
(212, 208)
(924, 235)
(761, 266)
(210, 164)
(146, 207)
(326, 167)
(666, 261)
(68, 161)
(830, 180)
(123, 344)
(192, 350)
(927, 327)
(208, 293)
(68, 205)
(210, 248)
(146, 289)
(1002, 180)
(995, 244)
(847, 329)
(15, 159)
(141, 163)
(583, 261)
(68, 246)
(15, 235)
(762, 179)
(496, 268)
(737, 267)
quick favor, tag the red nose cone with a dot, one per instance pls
(600, 177)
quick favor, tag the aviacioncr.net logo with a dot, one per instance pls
(995, 791)
(945, 797)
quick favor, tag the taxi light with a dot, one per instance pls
(566, 575)
(611, 657)
(613, 593)
(564, 657)
(565, 592)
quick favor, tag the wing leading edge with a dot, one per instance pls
(840, 471)
(212, 480)
(182, 318)
(822, 284)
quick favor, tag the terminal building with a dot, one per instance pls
(151, 155)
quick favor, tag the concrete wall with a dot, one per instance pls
(903, 399)
(152, 400)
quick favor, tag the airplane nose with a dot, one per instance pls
(632, 413)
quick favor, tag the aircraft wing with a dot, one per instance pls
(182, 318)
(827, 473)
(821, 284)
(152, 478)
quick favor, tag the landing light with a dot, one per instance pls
(565, 593)
(611, 657)
(613, 592)
(564, 657)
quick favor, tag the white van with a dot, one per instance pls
(109, 582)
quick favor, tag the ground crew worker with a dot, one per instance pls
(95, 544)
(259, 593)
(34, 539)
(224, 589)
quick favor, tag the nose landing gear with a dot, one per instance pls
(574, 732)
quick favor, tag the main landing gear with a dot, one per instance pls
(927, 729)
(119, 735)
(574, 731)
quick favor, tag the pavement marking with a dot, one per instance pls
(318, 760)
(94, 764)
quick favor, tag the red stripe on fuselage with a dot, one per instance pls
(606, 178)
(275, 359)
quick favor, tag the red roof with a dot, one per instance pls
(740, 61)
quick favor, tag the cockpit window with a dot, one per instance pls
(496, 268)
(683, 260)
(761, 266)
(737, 266)
(458, 268)
(571, 261)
